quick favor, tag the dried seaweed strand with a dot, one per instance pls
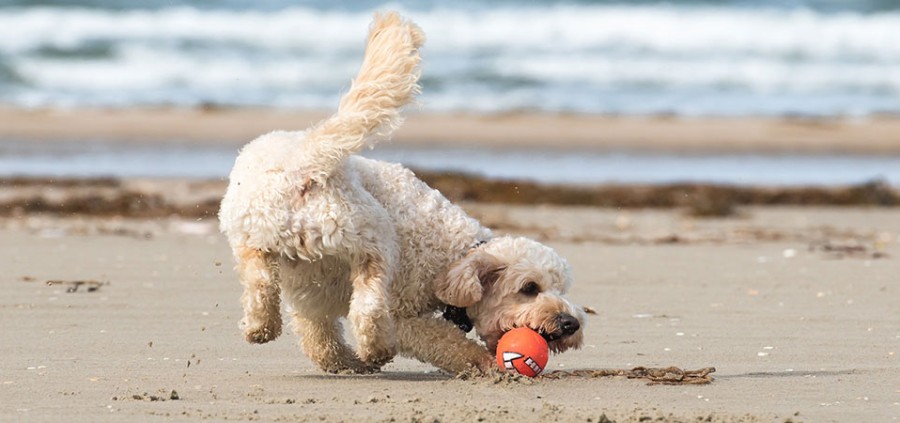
(656, 375)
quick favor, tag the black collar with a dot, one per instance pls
(458, 316)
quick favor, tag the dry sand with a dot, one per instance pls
(795, 307)
(520, 130)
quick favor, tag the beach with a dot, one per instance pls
(723, 178)
(794, 307)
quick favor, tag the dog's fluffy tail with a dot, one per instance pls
(370, 111)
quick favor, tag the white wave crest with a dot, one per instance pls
(584, 58)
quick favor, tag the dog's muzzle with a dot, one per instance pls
(567, 325)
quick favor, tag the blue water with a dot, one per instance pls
(574, 167)
(767, 57)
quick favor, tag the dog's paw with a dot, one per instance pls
(376, 355)
(377, 348)
(482, 368)
(361, 370)
(261, 334)
(485, 364)
(378, 362)
(351, 366)
(261, 328)
(477, 365)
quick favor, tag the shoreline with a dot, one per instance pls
(524, 130)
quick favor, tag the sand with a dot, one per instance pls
(875, 135)
(795, 307)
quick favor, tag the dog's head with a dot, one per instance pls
(514, 282)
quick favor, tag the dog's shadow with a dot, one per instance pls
(390, 376)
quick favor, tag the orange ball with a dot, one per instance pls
(524, 351)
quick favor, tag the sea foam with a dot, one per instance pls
(554, 57)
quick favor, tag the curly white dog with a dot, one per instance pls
(336, 235)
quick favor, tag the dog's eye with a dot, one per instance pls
(530, 288)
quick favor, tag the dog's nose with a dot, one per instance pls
(568, 323)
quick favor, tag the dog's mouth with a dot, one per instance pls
(552, 336)
(565, 325)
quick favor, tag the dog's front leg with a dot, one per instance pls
(261, 299)
(442, 344)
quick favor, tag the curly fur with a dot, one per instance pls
(333, 234)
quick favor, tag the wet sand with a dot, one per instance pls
(795, 307)
(875, 135)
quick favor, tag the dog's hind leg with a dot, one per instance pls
(319, 294)
(369, 311)
(321, 340)
(261, 300)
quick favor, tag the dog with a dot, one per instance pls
(334, 235)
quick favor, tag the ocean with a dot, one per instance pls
(684, 58)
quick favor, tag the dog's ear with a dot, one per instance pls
(466, 279)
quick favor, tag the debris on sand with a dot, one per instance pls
(853, 249)
(72, 286)
(159, 396)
